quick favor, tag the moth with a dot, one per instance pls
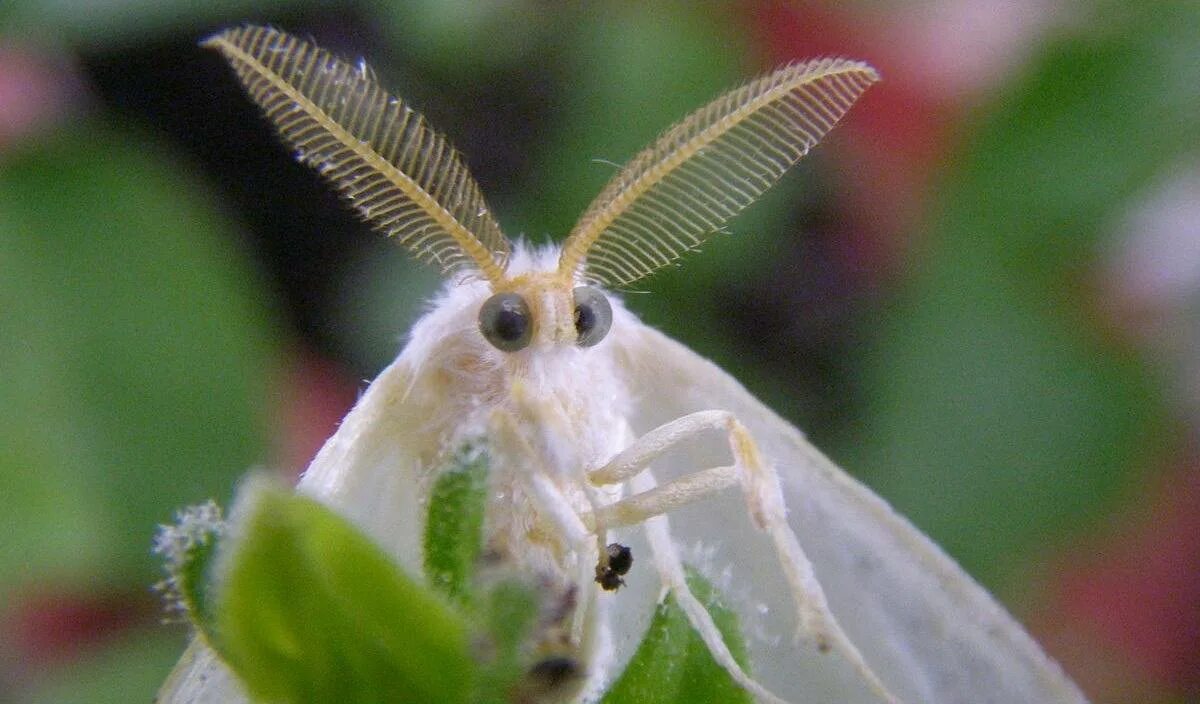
(619, 459)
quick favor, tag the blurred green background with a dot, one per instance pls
(981, 294)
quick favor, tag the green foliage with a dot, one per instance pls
(672, 663)
(304, 608)
(454, 526)
(189, 549)
(309, 610)
(134, 355)
(128, 670)
(114, 21)
(506, 613)
(503, 606)
(194, 584)
(447, 34)
(993, 406)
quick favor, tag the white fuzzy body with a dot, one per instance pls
(558, 410)
(551, 409)
(924, 627)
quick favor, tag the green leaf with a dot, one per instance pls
(504, 603)
(672, 665)
(454, 527)
(506, 612)
(189, 548)
(134, 354)
(311, 611)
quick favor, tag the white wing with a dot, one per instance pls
(925, 627)
(370, 472)
(200, 677)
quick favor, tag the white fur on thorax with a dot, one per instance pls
(556, 409)
(567, 404)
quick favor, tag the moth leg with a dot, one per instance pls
(671, 572)
(764, 499)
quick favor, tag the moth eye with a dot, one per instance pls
(505, 321)
(593, 315)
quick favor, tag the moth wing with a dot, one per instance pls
(372, 468)
(200, 677)
(369, 471)
(925, 627)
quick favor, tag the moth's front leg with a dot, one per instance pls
(764, 500)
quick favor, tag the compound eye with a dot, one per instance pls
(505, 321)
(593, 315)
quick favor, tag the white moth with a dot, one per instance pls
(598, 426)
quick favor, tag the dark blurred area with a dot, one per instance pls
(981, 294)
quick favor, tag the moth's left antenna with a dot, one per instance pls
(401, 176)
(701, 172)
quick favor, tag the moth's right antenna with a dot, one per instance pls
(400, 175)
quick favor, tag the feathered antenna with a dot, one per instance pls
(703, 170)
(400, 175)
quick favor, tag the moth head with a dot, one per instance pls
(540, 309)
